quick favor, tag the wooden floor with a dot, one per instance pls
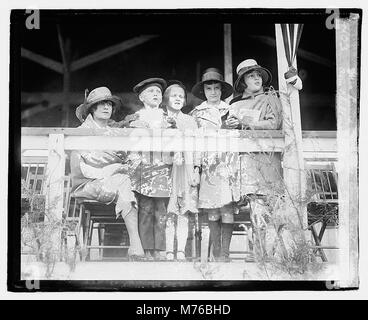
(121, 270)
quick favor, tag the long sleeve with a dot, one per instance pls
(269, 120)
(76, 174)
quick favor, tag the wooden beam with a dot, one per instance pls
(307, 55)
(43, 61)
(228, 56)
(30, 112)
(347, 125)
(65, 54)
(173, 139)
(110, 51)
(44, 131)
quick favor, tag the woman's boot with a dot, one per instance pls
(181, 236)
(215, 237)
(226, 234)
(170, 236)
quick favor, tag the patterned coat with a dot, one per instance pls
(152, 177)
(261, 173)
(219, 184)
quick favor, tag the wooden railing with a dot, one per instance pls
(316, 145)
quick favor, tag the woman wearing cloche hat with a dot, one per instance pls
(103, 175)
(218, 185)
(257, 108)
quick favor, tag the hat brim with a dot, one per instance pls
(226, 89)
(265, 73)
(143, 84)
(82, 110)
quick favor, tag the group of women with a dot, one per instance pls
(155, 193)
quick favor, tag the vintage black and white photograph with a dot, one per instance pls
(183, 148)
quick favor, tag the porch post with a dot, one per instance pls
(228, 57)
(293, 161)
(65, 55)
(55, 173)
(347, 126)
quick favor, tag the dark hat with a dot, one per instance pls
(172, 82)
(96, 95)
(247, 66)
(212, 74)
(161, 83)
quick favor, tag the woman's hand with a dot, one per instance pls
(132, 117)
(122, 168)
(196, 177)
(232, 123)
(139, 124)
(171, 122)
(114, 168)
(178, 158)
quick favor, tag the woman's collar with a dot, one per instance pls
(249, 96)
(205, 105)
(91, 123)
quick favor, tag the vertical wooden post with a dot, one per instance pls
(55, 172)
(228, 57)
(293, 162)
(198, 71)
(66, 94)
(347, 125)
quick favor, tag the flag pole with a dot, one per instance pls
(293, 160)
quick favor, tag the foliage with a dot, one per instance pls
(42, 234)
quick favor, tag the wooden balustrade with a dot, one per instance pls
(316, 144)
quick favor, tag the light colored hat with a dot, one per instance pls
(212, 74)
(96, 95)
(249, 65)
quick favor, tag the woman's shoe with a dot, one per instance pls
(170, 256)
(135, 257)
(180, 256)
(159, 255)
(148, 255)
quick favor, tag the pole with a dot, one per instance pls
(347, 126)
(228, 58)
(65, 55)
(293, 161)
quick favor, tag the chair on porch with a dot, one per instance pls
(241, 247)
(323, 209)
(93, 215)
(33, 174)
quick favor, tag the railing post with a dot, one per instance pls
(293, 162)
(55, 173)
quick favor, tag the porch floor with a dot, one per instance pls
(122, 270)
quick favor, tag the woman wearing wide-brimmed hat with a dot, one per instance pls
(257, 107)
(104, 175)
(219, 188)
